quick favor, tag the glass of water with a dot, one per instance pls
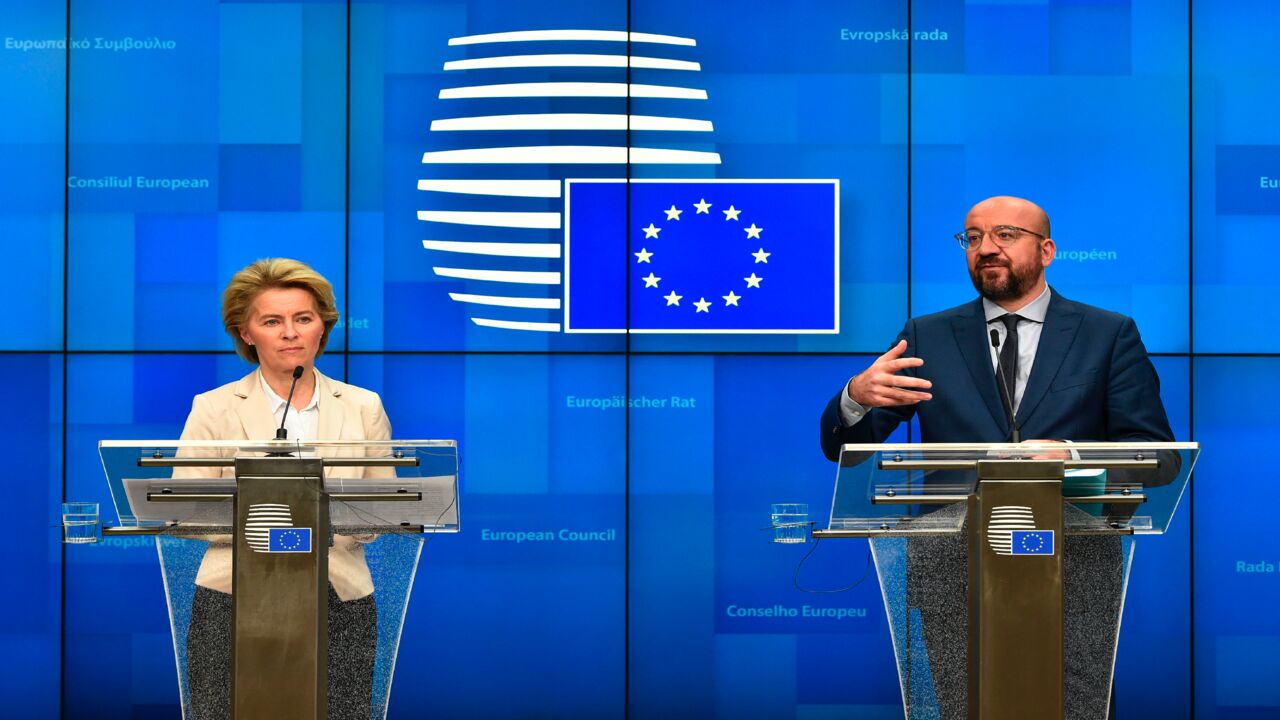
(790, 522)
(79, 522)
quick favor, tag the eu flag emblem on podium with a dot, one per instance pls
(289, 540)
(1032, 542)
(701, 256)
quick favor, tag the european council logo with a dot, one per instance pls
(1003, 521)
(269, 528)
(540, 244)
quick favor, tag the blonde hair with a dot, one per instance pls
(266, 274)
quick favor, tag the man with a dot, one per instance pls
(1081, 373)
(1072, 373)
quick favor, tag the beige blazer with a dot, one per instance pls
(241, 411)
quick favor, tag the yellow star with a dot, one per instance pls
(732, 213)
(731, 299)
(753, 231)
(704, 207)
(651, 231)
(651, 281)
(673, 298)
(760, 255)
(753, 281)
(673, 213)
(643, 256)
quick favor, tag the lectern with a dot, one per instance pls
(276, 509)
(1003, 567)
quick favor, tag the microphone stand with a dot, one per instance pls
(281, 432)
(1014, 435)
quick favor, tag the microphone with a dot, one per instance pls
(281, 433)
(1014, 435)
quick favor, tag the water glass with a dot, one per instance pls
(79, 523)
(790, 522)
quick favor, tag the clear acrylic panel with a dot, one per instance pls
(898, 489)
(138, 469)
(392, 561)
(924, 582)
(912, 500)
(186, 530)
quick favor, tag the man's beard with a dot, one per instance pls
(1014, 284)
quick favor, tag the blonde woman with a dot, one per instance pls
(279, 313)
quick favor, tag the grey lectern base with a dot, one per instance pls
(1015, 601)
(280, 615)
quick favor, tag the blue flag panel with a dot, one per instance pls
(1032, 542)
(740, 256)
(289, 540)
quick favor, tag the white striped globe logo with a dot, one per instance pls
(259, 521)
(1003, 521)
(506, 153)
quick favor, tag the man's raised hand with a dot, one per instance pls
(881, 385)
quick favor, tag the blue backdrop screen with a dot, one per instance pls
(437, 159)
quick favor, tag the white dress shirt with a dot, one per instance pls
(1030, 324)
(303, 424)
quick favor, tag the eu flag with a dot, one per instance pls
(701, 256)
(289, 540)
(1032, 542)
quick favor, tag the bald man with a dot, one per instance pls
(1072, 372)
(1078, 373)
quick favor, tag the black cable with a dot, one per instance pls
(796, 578)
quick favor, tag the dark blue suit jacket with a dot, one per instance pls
(1092, 380)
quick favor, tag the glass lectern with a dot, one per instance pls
(274, 523)
(1004, 567)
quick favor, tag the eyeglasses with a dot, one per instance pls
(1001, 235)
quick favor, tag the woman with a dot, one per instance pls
(279, 313)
